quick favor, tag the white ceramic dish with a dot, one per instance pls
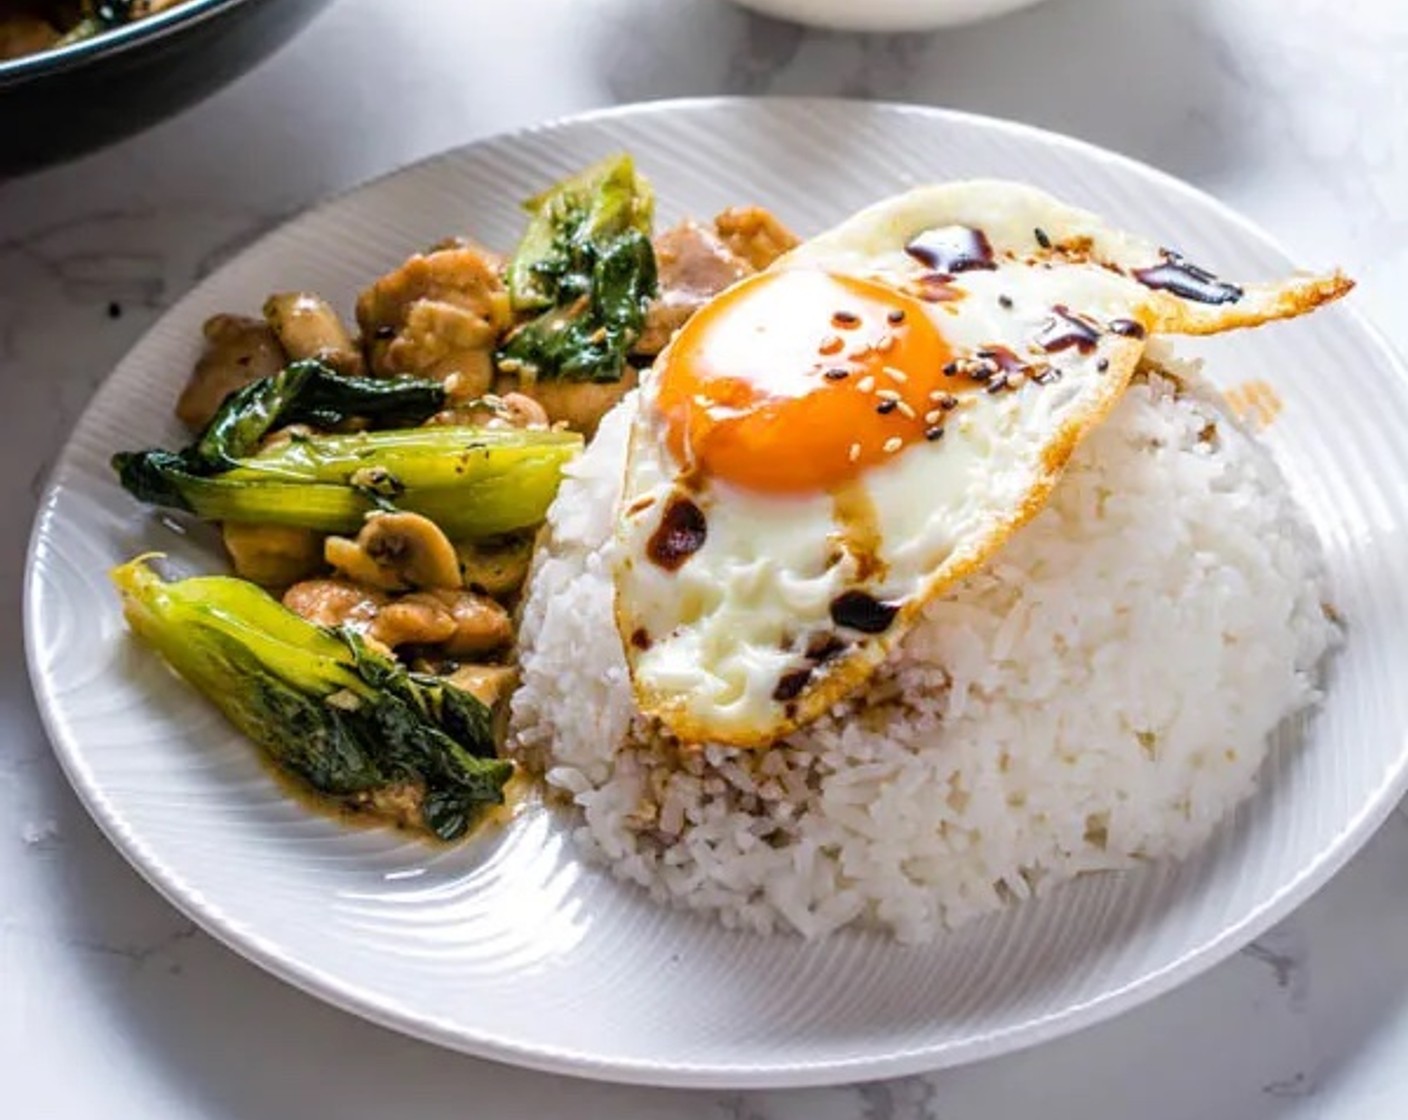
(885, 15)
(508, 946)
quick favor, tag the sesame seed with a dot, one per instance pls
(830, 344)
(886, 343)
(866, 384)
(887, 394)
(933, 433)
(905, 410)
(836, 373)
(1041, 238)
(896, 316)
(951, 370)
(1004, 302)
(885, 407)
(1016, 379)
(854, 452)
(937, 395)
(1103, 364)
(845, 319)
(898, 374)
(997, 384)
(893, 444)
(933, 416)
(947, 401)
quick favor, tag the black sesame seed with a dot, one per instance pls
(951, 370)
(884, 408)
(933, 433)
(1041, 238)
(1103, 364)
(384, 332)
(997, 384)
(844, 318)
(114, 310)
(896, 316)
(836, 373)
(1004, 302)
(948, 402)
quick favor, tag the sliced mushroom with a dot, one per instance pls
(495, 569)
(308, 328)
(480, 625)
(395, 551)
(237, 351)
(272, 555)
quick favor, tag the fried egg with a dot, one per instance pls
(829, 444)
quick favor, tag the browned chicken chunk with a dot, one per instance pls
(578, 404)
(22, 34)
(272, 555)
(237, 351)
(308, 328)
(755, 235)
(694, 266)
(512, 410)
(481, 625)
(489, 684)
(335, 602)
(439, 315)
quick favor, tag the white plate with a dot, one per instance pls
(508, 947)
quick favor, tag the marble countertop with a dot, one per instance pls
(1294, 111)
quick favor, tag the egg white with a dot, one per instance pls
(711, 643)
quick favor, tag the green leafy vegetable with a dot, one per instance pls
(472, 482)
(585, 266)
(323, 705)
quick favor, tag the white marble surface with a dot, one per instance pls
(1296, 111)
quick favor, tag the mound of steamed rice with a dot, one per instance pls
(1102, 693)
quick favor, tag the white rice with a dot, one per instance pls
(1102, 693)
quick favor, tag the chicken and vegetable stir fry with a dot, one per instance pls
(378, 486)
(30, 26)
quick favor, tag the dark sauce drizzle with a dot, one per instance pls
(859, 610)
(790, 685)
(1064, 330)
(680, 535)
(952, 249)
(1185, 279)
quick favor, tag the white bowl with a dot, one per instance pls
(885, 15)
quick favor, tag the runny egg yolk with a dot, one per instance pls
(797, 381)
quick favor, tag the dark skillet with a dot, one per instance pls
(59, 103)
